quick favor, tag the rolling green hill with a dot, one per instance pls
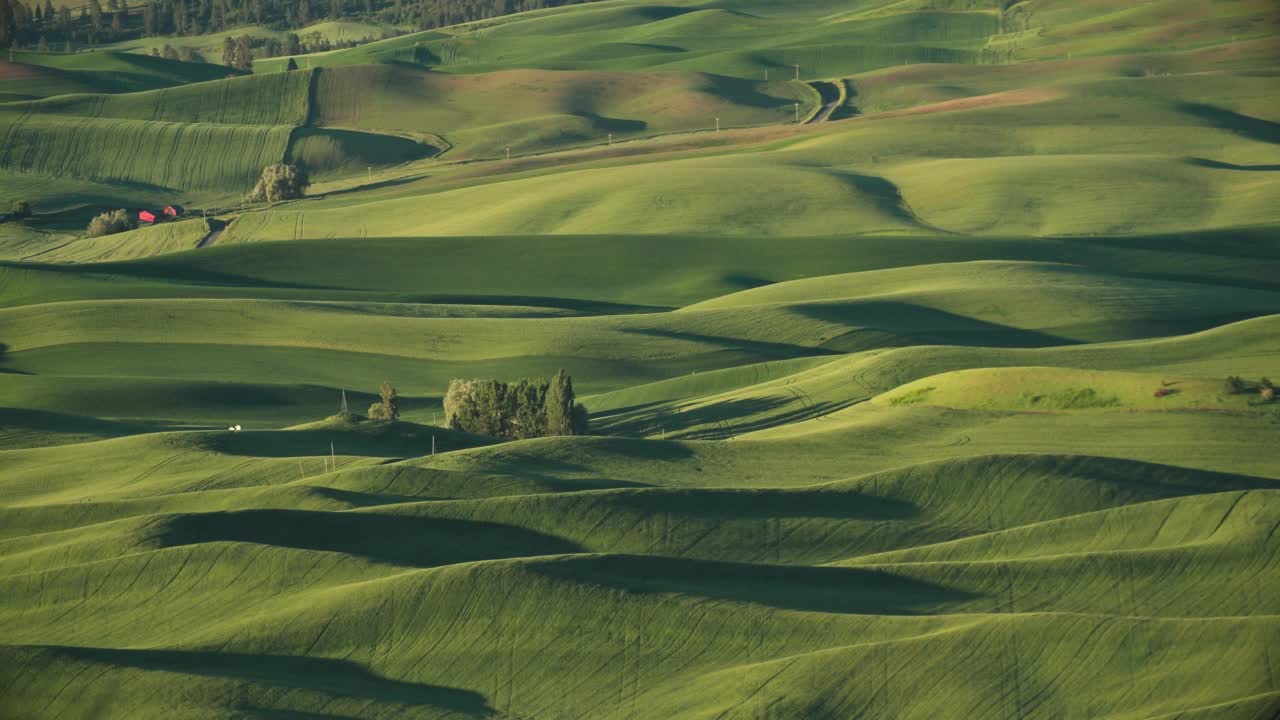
(931, 384)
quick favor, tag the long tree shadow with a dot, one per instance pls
(717, 420)
(761, 348)
(379, 537)
(340, 678)
(386, 440)
(809, 589)
(1219, 165)
(709, 503)
(1224, 119)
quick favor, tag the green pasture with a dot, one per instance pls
(923, 411)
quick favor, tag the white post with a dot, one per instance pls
(766, 74)
(610, 138)
(433, 444)
(797, 113)
(797, 71)
(333, 457)
(508, 153)
(717, 124)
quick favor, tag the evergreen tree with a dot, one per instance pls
(228, 51)
(8, 30)
(293, 65)
(526, 409)
(95, 15)
(559, 403)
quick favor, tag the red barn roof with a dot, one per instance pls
(147, 216)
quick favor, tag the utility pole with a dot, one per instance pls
(508, 154)
(333, 457)
(433, 444)
(717, 124)
(797, 71)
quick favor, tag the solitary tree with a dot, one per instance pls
(21, 210)
(279, 182)
(293, 65)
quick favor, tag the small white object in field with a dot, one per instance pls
(237, 428)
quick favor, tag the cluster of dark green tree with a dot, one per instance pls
(519, 410)
(279, 182)
(110, 223)
(1265, 389)
(38, 24)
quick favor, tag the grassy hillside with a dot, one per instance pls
(946, 401)
(482, 115)
(35, 75)
(209, 45)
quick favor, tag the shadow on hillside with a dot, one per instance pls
(67, 423)
(610, 124)
(925, 326)
(746, 92)
(164, 270)
(806, 589)
(760, 348)
(321, 675)
(725, 418)
(1224, 119)
(387, 440)
(885, 195)
(384, 538)
(530, 459)
(1219, 165)
(764, 504)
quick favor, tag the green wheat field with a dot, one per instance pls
(925, 346)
